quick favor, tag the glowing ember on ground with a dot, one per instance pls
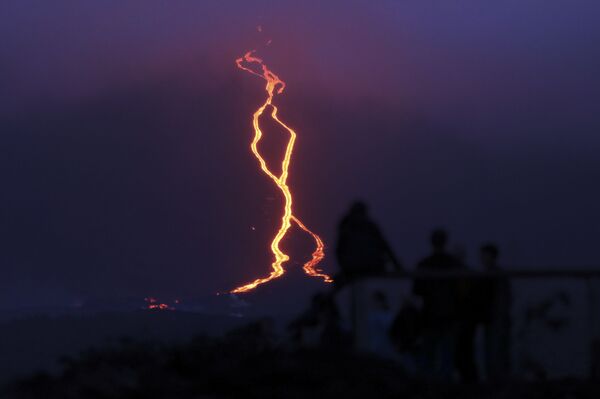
(153, 304)
(252, 64)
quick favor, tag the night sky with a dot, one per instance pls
(125, 125)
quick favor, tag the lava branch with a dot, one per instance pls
(276, 85)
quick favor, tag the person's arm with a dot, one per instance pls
(395, 261)
(388, 250)
(418, 284)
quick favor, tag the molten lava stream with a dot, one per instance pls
(274, 86)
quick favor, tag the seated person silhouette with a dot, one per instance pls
(361, 248)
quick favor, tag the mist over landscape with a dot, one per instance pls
(126, 131)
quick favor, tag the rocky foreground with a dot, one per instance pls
(247, 364)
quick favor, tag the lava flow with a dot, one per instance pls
(276, 86)
(153, 304)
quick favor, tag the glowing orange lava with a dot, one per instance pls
(153, 304)
(276, 86)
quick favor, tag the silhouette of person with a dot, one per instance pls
(322, 319)
(467, 324)
(494, 298)
(361, 248)
(361, 251)
(439, 309)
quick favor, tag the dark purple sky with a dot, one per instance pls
(125, 127)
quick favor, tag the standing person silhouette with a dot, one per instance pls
(464, 356)
(495, 300)
(439, 311)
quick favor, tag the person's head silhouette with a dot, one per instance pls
(489, 255)
(439, 239)
(359, 209)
